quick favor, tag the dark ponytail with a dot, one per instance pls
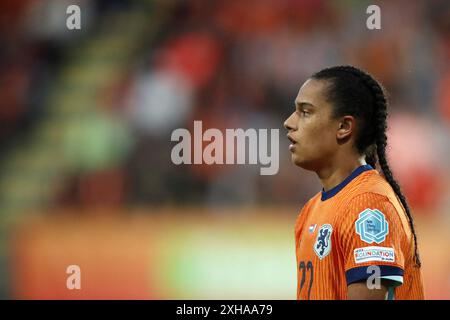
(355, 92)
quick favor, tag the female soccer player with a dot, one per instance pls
(355, 239)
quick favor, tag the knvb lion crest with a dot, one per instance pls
(372, 226)
(322, 246)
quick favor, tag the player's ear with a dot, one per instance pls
(346, 126)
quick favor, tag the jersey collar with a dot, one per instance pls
(333, 191)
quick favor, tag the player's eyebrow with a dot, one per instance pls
(303, 104)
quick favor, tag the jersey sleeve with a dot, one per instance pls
(370, 236)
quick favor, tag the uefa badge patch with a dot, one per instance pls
(372, 226)
(322, 246)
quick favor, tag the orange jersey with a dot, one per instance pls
(341, 234)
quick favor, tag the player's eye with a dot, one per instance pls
(302, 113)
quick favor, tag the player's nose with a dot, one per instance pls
(289, 123)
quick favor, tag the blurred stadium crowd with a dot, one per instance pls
(102, 104)
(86, 115)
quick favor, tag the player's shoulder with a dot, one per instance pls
(373, 195)
(312, 201)
(371, 187)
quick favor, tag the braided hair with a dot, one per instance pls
(356, 93)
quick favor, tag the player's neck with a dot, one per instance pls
(336, 172)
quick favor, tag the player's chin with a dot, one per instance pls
(300, 161)
(297, 159)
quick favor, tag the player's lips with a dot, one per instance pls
(292, 145)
